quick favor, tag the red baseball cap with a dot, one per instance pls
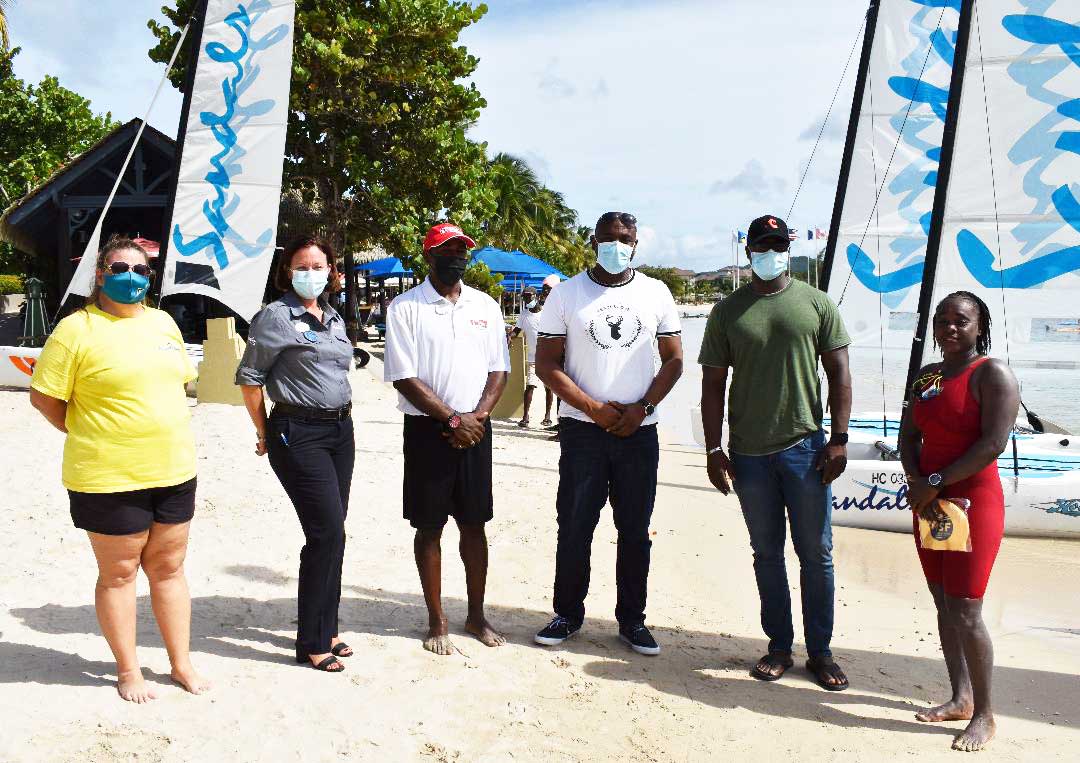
(443, 232)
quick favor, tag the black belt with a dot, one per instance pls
(312, 414)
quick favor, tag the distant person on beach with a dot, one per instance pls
(528, 322)
(771, 333)
(598, 334)
(111, 377)
(446, 355)
(958, 421)
(299, 353)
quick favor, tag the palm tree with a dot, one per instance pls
(517, 190)
(4, 41)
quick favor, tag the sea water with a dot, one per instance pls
(1052, 393)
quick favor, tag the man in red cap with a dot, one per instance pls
(446, 355)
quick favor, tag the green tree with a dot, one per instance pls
(42, 127)
(671, 279)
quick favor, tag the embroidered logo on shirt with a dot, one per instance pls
(615, 326)
(479, 322)
(169, 347)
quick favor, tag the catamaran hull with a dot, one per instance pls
(1042, 496)
(17, 366)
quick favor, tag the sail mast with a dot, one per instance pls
(937, 219)
(849, 143)
(198, 17)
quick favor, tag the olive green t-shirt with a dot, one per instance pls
(772, 342)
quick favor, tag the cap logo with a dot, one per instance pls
(772, 223)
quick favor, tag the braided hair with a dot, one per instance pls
(982, 342)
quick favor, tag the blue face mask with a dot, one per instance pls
(309, 284)
(769, 265)
(614, 256)
(125, 288)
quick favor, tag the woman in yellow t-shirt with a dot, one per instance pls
(112, 378)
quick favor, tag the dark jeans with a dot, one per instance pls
(765, 485)
(594, 467)
(314, 463)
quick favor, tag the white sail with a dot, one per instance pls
(1011, 226)
(878, 258)
(223, 230)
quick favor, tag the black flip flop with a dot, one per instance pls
(340, 647)
(329, 662)
(825, 668)
(773, 660)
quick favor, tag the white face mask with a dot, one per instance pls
(309, 284)
(532, 305)
(769, 265)
(614, 256)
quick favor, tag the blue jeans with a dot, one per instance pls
(593, 467)
(765, 486)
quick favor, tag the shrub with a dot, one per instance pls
(11, 285)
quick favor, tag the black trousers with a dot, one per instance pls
(595, 466)
(314, 463)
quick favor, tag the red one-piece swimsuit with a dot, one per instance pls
(950, 423)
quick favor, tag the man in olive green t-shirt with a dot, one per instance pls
(772, 332)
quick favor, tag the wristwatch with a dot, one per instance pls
(838, 438)
(650, 409)
(453, 422)
(935, 479)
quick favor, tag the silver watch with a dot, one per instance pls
(935, 479)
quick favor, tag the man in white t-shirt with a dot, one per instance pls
(446, 356)
(599, 333)
(528, 323)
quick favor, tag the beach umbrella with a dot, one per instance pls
(35, 320)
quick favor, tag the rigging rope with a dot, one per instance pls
(828, 113)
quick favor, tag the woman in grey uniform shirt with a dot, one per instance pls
(299, 352)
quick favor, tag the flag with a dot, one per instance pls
(792, 234)
(741, 237)
(809, 234)
(819, 233)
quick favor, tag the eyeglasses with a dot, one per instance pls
(119, 268)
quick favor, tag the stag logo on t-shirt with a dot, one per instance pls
(615, 326)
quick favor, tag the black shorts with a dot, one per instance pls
(442, 481)
(133, 511)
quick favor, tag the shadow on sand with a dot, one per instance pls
(694, 664)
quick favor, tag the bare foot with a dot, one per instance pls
(483, 631)
(131, 686)
(952, 710)
(190, 680)
(438, 638)
(346, 651)
(977, 735)
(333, 667)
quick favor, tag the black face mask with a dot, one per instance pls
(449, 270)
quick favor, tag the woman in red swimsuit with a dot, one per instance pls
(958, 421)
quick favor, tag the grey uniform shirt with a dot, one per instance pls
(299, 360)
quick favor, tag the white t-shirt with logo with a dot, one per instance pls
(611, 334)
(529, 323)
(450, 347)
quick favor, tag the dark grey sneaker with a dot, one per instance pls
(639, 639)
(556, 632)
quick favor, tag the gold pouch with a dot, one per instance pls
(949, 530)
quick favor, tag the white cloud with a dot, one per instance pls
(752, 183)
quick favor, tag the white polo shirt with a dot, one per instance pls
(611, 334)
(451, 347)
(529, 323)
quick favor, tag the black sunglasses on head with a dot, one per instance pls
(625, 218)
(119, 268)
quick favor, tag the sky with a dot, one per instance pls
(695, 115)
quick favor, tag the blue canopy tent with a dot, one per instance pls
(383, 268)
(518, 269)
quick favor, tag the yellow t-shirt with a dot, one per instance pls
(127, 416)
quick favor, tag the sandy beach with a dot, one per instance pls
(591, 699)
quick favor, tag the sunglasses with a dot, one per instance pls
(625, 218)
(119, 268)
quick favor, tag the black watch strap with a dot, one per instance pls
(650, 409)
(839, 438)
